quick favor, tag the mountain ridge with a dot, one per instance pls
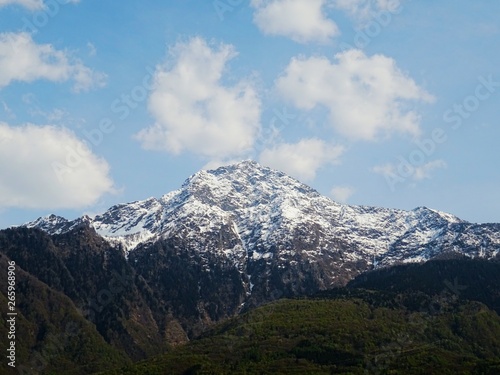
(281, 236)
(227, 241)
(207, 188)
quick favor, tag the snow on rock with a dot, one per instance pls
(249, 213)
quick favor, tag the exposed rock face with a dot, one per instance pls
(241, 235)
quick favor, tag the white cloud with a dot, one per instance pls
(303, 21)
(303, 159)
(195, 111)
(31, 4)
(364, 10)
(49, 167)
(367, 97)
(21, 59)
(341, 193)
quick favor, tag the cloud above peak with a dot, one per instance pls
(303, 159)
(303, 21)
(195, 111)
(367, 97)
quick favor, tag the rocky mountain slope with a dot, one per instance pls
(156, 273)
(256, 220)
(432, 318)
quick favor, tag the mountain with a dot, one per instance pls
(233, 238)
(260, 221)
(148, 276)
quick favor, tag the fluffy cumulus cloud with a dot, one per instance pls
(367, 97)
(303, 21)
(195, 111)
(303, 159)
(21, 59)
(341, 193)
(49, 167)
(364, 10)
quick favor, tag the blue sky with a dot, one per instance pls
(375, 102)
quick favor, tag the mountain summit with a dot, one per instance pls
(260, 221)
(165, 269)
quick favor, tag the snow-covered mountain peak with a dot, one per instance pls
(247, 212)
(246, 176)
